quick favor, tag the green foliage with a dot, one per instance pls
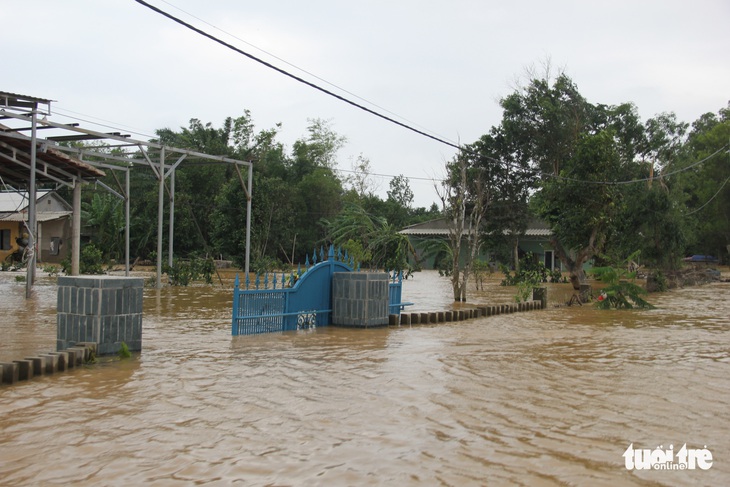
(91, 260)
(531, 271)
(51, 270)
(621, 290)
(184, 271)
(373, 237)
(357, 251)
(103, 216)
(264, 265)
(480, 270)
(124, 351)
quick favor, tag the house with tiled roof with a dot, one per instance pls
(536, 240)
(53, 215)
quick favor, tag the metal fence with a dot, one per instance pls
(280, 302)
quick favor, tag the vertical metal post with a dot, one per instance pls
(30, 270)
(248, 217)
(160, 210)
(76, 229)
(171, 230)
(127, 197)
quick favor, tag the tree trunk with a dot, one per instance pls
(574, 266)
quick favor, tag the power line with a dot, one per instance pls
(313, 75)
(710, 200)
(118, 126)
(295, 77)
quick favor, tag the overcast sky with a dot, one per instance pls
(440, 66)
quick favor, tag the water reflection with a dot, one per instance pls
(544, 398)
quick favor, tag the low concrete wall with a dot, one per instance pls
(46, 363)
(463, 314)
(106, 310)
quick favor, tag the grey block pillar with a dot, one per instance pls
(101, 309)
(360, 299)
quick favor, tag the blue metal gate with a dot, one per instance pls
(296, 301)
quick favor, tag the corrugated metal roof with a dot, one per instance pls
(439, 228)
(43, 216)
(17, 100)
(13, 201)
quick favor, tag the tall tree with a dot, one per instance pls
(465, 197)
(707, 184)
(579, 149)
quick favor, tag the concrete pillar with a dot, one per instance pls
(101, 309)
(39, 365)
(9, 373)
(51, 362)
(360, 299)
(25, 369)
(81, 354)
(62, 360)
(540, 294)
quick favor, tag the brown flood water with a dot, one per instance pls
(542, 398)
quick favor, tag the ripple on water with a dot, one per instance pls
(544, 398)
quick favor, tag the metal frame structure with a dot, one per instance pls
(144, 153)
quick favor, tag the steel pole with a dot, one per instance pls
(249, 196)
(160, 210)
(30, 270)
(171, 230)
(126, 226)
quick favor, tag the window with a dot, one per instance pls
(5, 240)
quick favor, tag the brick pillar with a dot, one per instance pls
(106, 310)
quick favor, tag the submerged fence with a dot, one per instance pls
(277, 302)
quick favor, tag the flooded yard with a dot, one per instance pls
(550, 397)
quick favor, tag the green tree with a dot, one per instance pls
(579, 150)
(466, 194)
(104, 216)
(372, 237)
(706, 186)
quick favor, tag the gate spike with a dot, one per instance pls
(306, 262)
(236, 282)
(321, 253)
(291, 279)
(314, 257)
(331, 252)
(248, 281)
(283, 279)
(274, 274)
(258, 280)
(266, 280)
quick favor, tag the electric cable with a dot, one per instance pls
(313, 75)
(710, 200)
(295, 77)
(366, 109)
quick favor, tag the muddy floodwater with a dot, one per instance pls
(540, 398)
